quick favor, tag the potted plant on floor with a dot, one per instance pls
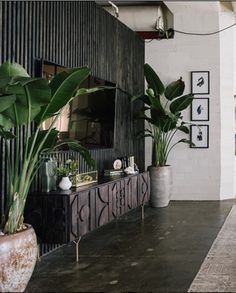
(27, 102)
(165, 119)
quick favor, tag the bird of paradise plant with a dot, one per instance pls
(28, 102)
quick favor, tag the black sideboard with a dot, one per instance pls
(63, 216)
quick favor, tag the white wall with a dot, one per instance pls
(227, 104)
(196, 172)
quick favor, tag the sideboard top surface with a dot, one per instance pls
(74, 190)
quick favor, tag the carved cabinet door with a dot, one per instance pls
(82, 206)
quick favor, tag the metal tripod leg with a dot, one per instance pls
(77, 248)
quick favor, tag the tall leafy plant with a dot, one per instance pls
(164, 106)
(27, 102)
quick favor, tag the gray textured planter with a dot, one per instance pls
(160, 185)
(18, 254)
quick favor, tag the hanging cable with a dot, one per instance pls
(204, 34)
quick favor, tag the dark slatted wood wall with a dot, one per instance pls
(76, 33)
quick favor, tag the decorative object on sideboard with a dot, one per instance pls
(132, 167)
(65, 183)
(85, 178)
(117, 165)
(113, 172)
(121, 166)
(70, 176)
(48, 175)
(131, 161)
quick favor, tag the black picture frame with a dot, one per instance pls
(200, 109)
(200, 82)
(199, 136)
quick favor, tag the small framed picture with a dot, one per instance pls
(200, 82)
(199, 136)
(200, 109)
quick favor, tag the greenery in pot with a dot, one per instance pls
(70, 168)
(165, 119)
(28, 102)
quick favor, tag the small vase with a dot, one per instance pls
(65, 183)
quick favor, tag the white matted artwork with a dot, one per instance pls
(200, 82)
(200, 109)
(199, 136)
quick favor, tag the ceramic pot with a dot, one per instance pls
(65, 183)
(18, 258)
(160, 185)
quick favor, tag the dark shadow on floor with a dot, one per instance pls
(163, 253)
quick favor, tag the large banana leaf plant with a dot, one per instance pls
(165, 119)
(27, 102)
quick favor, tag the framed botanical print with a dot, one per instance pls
(199, 136)
(200, 109)
(200, 82)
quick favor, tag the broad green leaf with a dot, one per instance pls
(6, 134)
(142, 132)
(50, 140)
(5, 81)
(37, 89)
(143, 98)
(183, 129)
(21, 115)
(76, 146)
(77, 76)
(6, 101)
(63, 87)
(181, 103)
(174, 89)
(143, 117)
(145, 108)
(12, 69)
(165, 123)
(150, 92)
(153, 80)
(40, 92)
(6, 122)
(157, 113)
(83, 91)
(155, 103)
(24, 88)
(144, 135)
(186, 141)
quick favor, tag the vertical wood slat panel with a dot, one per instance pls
(76, 33)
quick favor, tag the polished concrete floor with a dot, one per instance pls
(163, 253)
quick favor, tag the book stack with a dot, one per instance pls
(113, 172)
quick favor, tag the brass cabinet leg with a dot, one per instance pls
(142, 211)
(38, 253)
(77, 248)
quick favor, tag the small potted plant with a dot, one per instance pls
(67, 174)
